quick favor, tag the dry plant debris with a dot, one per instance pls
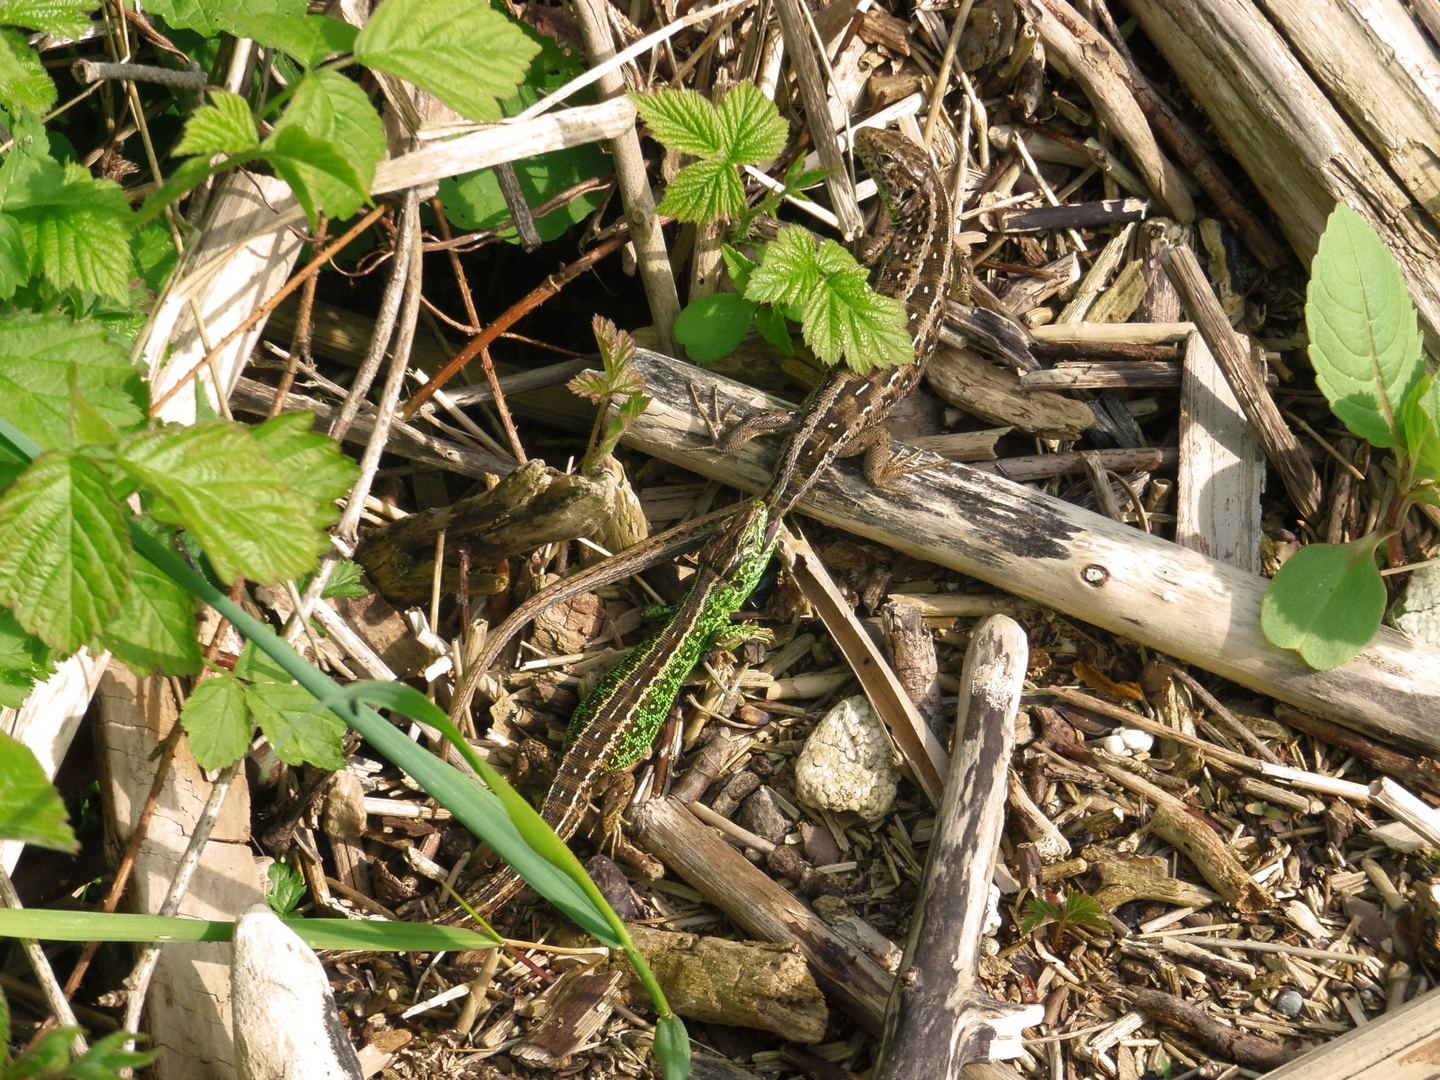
(1196, 878)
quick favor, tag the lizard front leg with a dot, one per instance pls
(729, 433)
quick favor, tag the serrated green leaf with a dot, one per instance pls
(24, 660)
(310, 39)
(464, 52)
(217, 722)
(225, 126)
(750, 125)
(591, 385)
(772, 326)
(1364, 337)
(321, 176)
(714, 326)
(64, 550)
(1326, 602)
(704, 191)
(47, 360)
(346, 581)
(672, 1047)
(208, 17)
(31, 809)
(75, 226)
(299, 729)
(155, 626)
(845, 317)
(684, 120)
(331, 107)
(1421, 438)
(255, 665)
(287, 888)
(58, 18)
(617, 348)
(474, 201)
(155, 256)
(312, 464)
(213, 479)
(24, 83)
(789, 271)
(14, 263)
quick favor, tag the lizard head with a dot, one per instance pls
(898, 166)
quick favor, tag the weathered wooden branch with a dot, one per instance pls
(1180, 602)
(763, 908)
(938, 1019)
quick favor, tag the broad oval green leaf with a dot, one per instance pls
(64, 550)
(1326, 602)
(31, 809)
(714, 326)
(310, 39)
(208, 17)
(464, 52)
(1364, 336)
(327, 143)
(300, 729)
(474, 200)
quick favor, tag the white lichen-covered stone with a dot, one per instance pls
(1417, 612)
(286, 1026)
(1137, 741)
(845, 763)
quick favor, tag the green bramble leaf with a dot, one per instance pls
(155, 626)
(300, 730)
(64, 550)
(155, 256)
(684, 120)
(48, 361)
(1420, 424)
(1039, 913)
(704, 191)
(789, 270)
(326, 145)
(76, 227)
(592, 385)
(311, 463)
(287, 888)
(223, 127)
(474, 201)
(1326, 602)
(1364, 337)
(751, 128)
(14, 262)
(24, 661)
(345, 581)
(24, 83)
(1084, 910)
(30, 808)
(464, 52)
(771, 324)
(216, 721)
(209, 18)
(58, 18)
(214, 479)
(714, 326)
(845, 317)
(738, 266)
(309, 39)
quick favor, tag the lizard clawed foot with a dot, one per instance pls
(717, 421)
(900, 465)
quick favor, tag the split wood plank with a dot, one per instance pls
(1401, 1045)
(1222, 472)
(1197, 609)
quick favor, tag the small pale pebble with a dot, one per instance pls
(1115, 744)
(845, 763)
(1138, 741)
(1289, 1003)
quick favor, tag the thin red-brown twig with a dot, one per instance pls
(537, 296)
(506, 420)
(311, 269)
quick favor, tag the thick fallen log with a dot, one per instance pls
(1150, 590)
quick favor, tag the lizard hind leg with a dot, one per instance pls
(613, 789)
(881, 468)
